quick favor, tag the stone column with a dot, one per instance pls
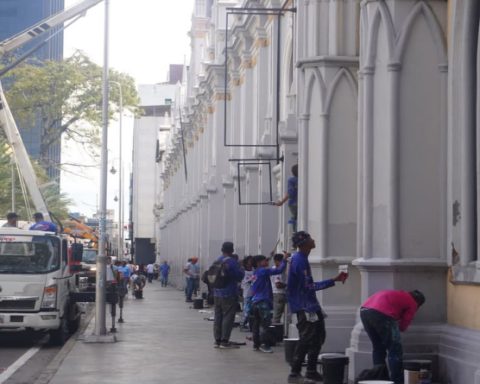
(403, 164)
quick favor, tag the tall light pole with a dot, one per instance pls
(120, 175)
(100, 332)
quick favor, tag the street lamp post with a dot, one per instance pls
(100, 332)
(120, 174)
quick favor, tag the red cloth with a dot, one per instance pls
(399, 305)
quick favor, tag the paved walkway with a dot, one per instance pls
(163, 340)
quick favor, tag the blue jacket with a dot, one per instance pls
(262, 285)
(235, 275)
(301, 289)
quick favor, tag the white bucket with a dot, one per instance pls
(375, 382)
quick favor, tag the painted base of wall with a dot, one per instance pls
(455, 352)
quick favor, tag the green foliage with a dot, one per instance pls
(57, 202)
(66, 97)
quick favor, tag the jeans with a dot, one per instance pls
(225, 308)
(190, 287)
(164, 280)
(279, 301)
(384, 334)
(311, 338)
(261, 321)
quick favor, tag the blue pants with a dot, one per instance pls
(384, 334)
(190, 288)
(164, 280)
(261, 321)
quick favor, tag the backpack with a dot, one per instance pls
(217, 274)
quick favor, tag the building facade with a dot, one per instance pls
(15, 17)
(149, 135)
(377, 102)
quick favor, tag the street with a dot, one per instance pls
(25, 355)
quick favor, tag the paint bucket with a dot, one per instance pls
(375, 382)
(417, 371)
(333, 367)
(290, 345)
(278, 332)
(198, 304)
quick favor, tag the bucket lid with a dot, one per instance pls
(375, 382)
(333, 357)
(417, 365)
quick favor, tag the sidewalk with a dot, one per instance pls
(163, 340)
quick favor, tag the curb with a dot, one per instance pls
(49, 372)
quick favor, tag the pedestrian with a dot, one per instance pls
(192, 273)
(384, 315)
(12, 220)
(41, 224)
(164, 271)
(279, 284)
(262, 301)
(226, 299)
(291, 197)
(302, 300)
(138, 281)
(150, 272)
(246, 286)
(126, 272)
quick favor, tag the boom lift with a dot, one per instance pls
(37, 288)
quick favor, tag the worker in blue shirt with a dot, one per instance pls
(302, 300)
(262, 300)
(226, 299)
(41, 224)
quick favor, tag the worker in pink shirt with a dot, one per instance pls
(384, 315)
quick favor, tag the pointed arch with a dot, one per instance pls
(314, 77)
(382, 14)
(422, 9)
(352, 82)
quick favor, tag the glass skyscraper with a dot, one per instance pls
(16, 16)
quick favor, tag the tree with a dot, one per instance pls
(57, 202)
(65, 97)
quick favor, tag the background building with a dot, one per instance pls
(150, 133)
(16, 16)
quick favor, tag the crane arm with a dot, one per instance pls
(7, 122)
(45, 25)
(20, 154)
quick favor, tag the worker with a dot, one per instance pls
(12, 220)
(384, 315)
(41, 224)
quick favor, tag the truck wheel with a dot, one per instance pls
(59, 336)
(73, 325)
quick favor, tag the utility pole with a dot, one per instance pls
(100, 333)
(120, 174)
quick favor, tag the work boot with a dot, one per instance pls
(314, 375)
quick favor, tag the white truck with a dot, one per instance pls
(36, 284)
(37, 287)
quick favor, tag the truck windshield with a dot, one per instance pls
(89, 256)
(29, 254)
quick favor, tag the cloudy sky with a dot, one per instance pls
(145, 37)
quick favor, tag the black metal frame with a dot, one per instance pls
(256, 11)
(260, 161)
(254, 162)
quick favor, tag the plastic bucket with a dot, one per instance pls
(417, 371)
(333, 367)
(289, 345)
(198, 303)
(278, 332)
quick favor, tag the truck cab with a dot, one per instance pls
(36, 284)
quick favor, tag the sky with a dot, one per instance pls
(146, 36)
